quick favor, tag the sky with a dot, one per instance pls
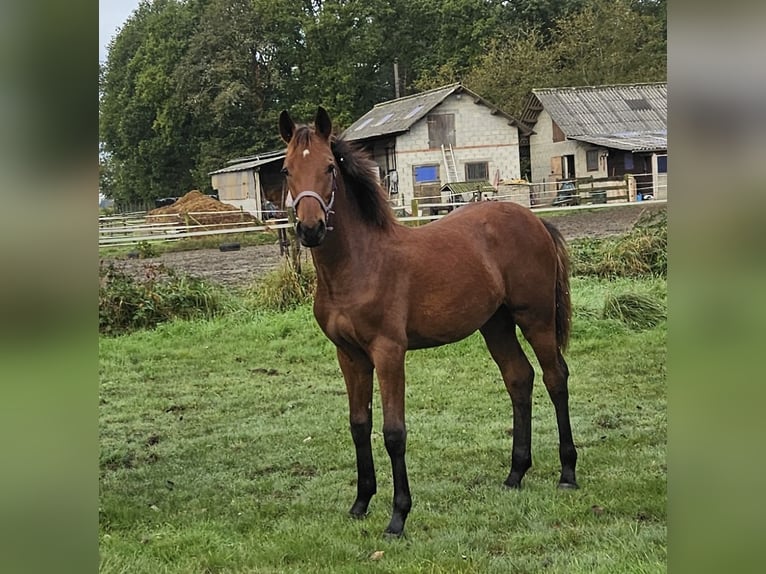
(111, 15)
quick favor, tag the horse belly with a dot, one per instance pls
(451, 312)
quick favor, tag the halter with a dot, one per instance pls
(326, 207)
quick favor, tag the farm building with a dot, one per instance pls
(447, 135)
(250, 182)
(599, 132)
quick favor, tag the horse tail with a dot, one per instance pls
(563, 300)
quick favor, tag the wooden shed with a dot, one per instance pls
(250, 182)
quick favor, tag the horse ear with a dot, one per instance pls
(323, 123)
(286, 126)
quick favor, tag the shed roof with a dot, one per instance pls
(468, 186)
(251, 162)
(627, 116)
(397, 116)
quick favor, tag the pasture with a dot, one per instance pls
(225, 448)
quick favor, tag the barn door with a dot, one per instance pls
(557, 167)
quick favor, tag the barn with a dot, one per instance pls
(600, 132)
(250, 182)
(442, 136)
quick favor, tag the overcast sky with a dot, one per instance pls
(111, 15)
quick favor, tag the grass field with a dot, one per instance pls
(225, 448)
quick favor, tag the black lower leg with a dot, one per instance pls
(567, 450)
(396, 441)
(521, 454)
(366, 485)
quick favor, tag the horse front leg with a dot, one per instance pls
(389, 362)
(357, 373)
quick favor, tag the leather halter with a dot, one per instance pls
(326, 207)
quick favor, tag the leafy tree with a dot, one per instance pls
(513, 66)
(609, 42)
(540, 15)
(606, 42)
(142, 121)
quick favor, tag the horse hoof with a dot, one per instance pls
(512, 485)
(392, 535)
(568, 486)
(358, 514)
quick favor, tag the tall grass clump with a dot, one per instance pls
(126, 304)
(637, 310)
(640, 253)
(286, 288)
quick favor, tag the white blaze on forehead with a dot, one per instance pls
(306, 152)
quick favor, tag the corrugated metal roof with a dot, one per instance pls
(251, 163)
(397, 116)
(628, 141)
(628, 116)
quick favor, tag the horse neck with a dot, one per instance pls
(347, 247)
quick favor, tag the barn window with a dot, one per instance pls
(662, 164)
(426, 173)
(441, 130)
(478, 171)
(591, 159)
(628, 160)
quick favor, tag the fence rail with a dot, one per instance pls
(581, 193)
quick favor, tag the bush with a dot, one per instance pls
(146, 250)
(638, 311)
(640, 253)
(285, 288)
(126, 304)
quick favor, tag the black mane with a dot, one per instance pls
(359, 177)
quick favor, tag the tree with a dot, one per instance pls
(609, 42)
(605, 42)
(513, 66)
(142, 122)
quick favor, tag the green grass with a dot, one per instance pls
(225, 448)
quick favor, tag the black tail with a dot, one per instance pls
(563, 300)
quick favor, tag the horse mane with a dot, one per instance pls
(358, 171)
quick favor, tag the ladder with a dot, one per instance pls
(449, 163)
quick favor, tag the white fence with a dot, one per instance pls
(132, 228)
(128, 229)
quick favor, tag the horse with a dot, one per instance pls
(384, 288)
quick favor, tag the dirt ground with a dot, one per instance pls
(241, 268)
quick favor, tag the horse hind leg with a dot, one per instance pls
(542, 338)
(500, 336)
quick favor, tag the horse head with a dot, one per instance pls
(310, 172)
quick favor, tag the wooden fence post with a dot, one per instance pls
(414, 208)
(294, 245)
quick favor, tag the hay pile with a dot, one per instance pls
(196, 208)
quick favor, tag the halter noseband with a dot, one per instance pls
(326, 207)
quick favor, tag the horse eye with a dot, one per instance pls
(284, 171)
(330, 168)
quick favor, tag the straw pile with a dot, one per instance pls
(196, 208)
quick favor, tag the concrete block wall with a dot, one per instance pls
(479, 136)
(542, 148)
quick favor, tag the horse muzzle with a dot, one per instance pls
(312, 231)
(311, 236)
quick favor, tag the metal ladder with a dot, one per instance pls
(449, 163)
